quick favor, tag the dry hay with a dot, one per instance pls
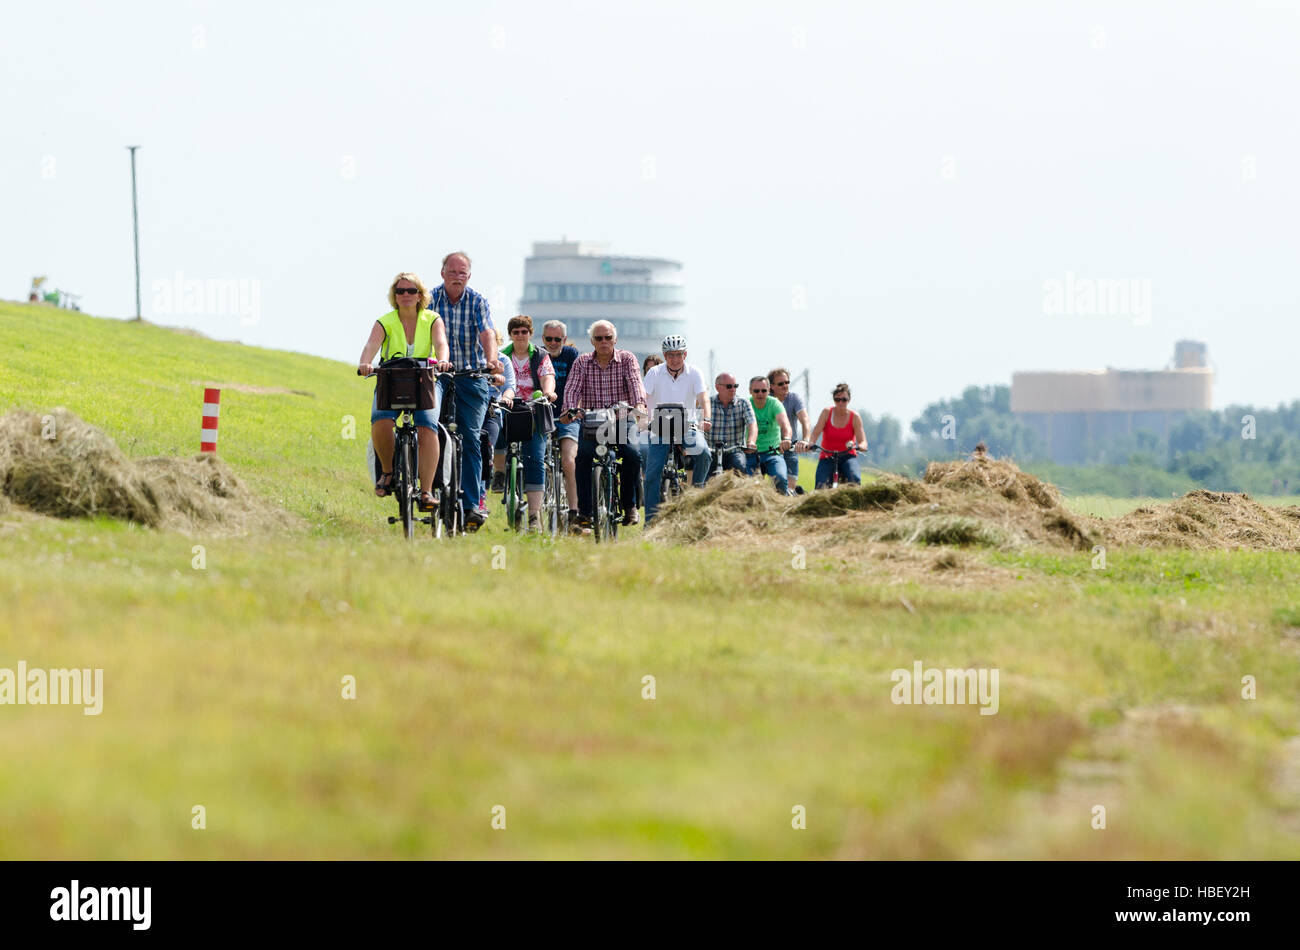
(1208, 520)
(59, 465)
(730, 507)
(982, 474)
(980, 502)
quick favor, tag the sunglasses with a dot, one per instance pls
(406, 290)
(553, 339)
(841, 399)
(518, 330)
(602, 339)
(730, 385)
(759, 392)
(781, 384)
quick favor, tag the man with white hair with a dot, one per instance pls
(599, 380)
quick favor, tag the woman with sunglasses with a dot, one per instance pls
(409, 329)
(840, 430)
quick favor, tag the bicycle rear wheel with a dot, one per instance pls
(551, 497)
(450, 510)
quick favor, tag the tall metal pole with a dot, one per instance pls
(135, 229)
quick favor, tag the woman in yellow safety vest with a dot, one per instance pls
(409, 329)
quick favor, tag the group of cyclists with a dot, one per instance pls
(663, 403)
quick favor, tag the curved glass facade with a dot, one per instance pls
(604, 293)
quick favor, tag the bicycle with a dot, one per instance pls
(555, 500)
(722, 452)
(834, 456)
(518, 426)
(667, 426)
(406, 451)
(453, 508)
(606, 469)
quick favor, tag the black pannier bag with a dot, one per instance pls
(405, 383)
(518, 424)
(543, 417)
(668, 424)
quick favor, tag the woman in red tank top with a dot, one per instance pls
(840, 431)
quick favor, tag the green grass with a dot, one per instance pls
(508, 671)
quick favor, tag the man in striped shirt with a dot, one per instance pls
(597, 381)
(473, 343)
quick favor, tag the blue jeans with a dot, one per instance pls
(698, 457)
(792, 464)
(471, 410)
(849, 471)
(772, 464)
(729, 461)
(424, 418)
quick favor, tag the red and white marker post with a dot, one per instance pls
(211, 412)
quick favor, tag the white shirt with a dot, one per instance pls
(662, 389)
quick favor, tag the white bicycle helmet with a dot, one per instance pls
(673, 341)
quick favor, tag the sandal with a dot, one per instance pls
(384, 484)
(427, 501)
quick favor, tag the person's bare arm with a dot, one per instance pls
(859, 433)
(376, 340)
(488, 340)
(440, 349)
(783, 424)
(821, 424)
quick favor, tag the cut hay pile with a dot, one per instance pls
(979, 501)
(1208, 520)
(984, 475)
(976, 502)
(57, 464)
(729, 507)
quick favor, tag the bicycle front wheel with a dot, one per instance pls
(406, 490)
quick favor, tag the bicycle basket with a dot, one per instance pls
(600, 425)
(518, 424)
(543, 417)
(404, 383)
(668, 425)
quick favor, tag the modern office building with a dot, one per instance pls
(1069, 410)
(580, 282)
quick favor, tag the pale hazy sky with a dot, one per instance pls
(916, 171)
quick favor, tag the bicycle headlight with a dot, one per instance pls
(602, 450)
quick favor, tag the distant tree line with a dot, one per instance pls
(1241, 448)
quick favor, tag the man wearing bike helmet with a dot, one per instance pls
(675, 381)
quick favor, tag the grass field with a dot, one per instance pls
(509, 671)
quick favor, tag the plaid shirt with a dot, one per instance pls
(465, 320)
(730, 423)
(592, 386)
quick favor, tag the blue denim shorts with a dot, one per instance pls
(567, 430)
(424, 418)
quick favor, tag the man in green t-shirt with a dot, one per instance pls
(773, 434)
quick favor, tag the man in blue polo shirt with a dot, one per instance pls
(473, 344)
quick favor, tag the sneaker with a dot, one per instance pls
(534, 524)
(631, 516)
(498, 482)
(475, 519)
